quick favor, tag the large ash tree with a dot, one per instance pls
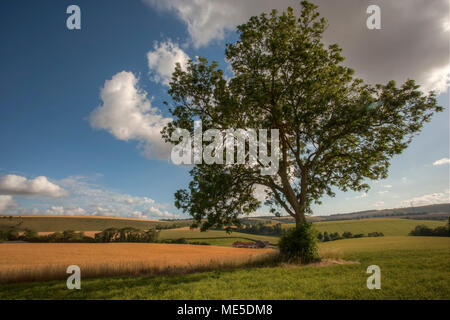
(335, 131)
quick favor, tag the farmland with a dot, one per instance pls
(37, 261)
(78, 223)
(411, 268)
(210, 234)
(388, 226)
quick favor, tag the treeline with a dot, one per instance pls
(422, 230)
(261, 229)
(324, 237)
(108, 235)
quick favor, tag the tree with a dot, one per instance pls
(335, 131)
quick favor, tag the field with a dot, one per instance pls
(212, 234)
(388, 226)
(77, 223)
(411, 268)
(46, 261)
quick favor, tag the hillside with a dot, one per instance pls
(80, 223)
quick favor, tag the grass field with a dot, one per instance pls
(411, 268)
(388, 226)
(198, 235)
(78, 223)
(46, 261)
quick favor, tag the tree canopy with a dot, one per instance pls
(335, 130)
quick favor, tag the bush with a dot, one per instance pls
(422, 230)
(375, 234)
(347, 235)
(299, 244)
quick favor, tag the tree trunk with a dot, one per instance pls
(299, 218)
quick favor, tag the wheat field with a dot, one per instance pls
(49, 261)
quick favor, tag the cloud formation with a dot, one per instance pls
(6, 202)
(441, 162)
(162, 61)
(432, 198)
(412, 43)
(16, 185)
(127, 114)
(90, 199)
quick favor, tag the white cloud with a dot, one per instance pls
(6, 202)
(91, 199)
(383, 192)
(16, 185)
(162, 61)
(388, 186)
(364, 195)
(63, 211)
(155, 212)
(432, 198)
(379, 204)
(127, 114)
(411, 26)
(441, 162)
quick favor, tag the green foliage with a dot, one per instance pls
(285, 78)
(422, 230)
(299, 244)
(126, 235)
(375, 234)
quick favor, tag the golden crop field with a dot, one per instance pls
(46, 261)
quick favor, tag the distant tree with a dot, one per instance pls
(320, 236)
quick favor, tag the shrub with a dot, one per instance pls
(299, 244)
(375, 234)
(347, 235)
(422, 230)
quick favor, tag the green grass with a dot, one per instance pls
(52, 224)
(389, 226)
(226, 242)
(196, 234)
(411, 268)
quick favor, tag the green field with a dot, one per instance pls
(388, 226)
(411, 268)
(204, 236)
(61, 223)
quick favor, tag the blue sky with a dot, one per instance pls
(52, 83)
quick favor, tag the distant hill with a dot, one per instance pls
(82, 223)
(429, 212)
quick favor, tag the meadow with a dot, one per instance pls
(411, 268)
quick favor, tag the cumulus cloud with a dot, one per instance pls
(16, 185)
(127, 114)
(441, 162)
(362, 196)
(162, 61)
(155, 212)
(64, 211)
(412, 43)
(379, 204)
(6, 202)
(432, 198)
(90, 199)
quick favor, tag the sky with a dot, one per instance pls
(81, 109)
